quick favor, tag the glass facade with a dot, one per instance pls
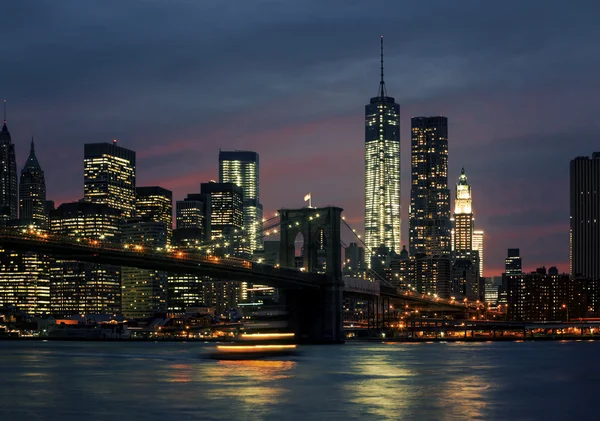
(429, 225)
(478, 246)
(226, 218)
(85, 288)
(242, 169)
(382, 173)
(584, 231)
(144, 292)
(109, 176)
(24, 281)
(8, 178)
(155, 204)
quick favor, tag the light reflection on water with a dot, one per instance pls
(172, 381)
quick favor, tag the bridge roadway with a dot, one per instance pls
(224, 268)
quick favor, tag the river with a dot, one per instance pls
(112, 381)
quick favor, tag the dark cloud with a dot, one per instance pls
(177, 80)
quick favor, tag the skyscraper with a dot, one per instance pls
(144, 291)
(155, 204)
(429, 225)
(85, 288)
(32, 192)
(463, 217)
(191, 212)
(585, 217)
(382, 172)
(242, 169)
(8, 176)
(109, 176)
(226, 216)
(513, 264)
(478, 246)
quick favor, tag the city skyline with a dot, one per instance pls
(500, 122)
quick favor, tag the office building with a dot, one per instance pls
(109, 176)
(382, 172)
(242, 169)
(478, 247)
(144, 292)
(78, 287)
(429, 225)
(226, 216)
(8, 176)
(155, 204)
(24, 281)
(513, 264)
(429, 214)
(463, 217)
(585, 217)
(191, 212)
(354, 259)
(32, 193)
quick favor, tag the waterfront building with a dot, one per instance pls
(32, 193)
(585, 217)
(8, 176)
(184, 290)
(109, 176)
(242, 169)
(78, 287)
(382, 172)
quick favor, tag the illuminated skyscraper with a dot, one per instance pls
(382, 172)
(109, 176)
(32, 192)
(155, 204)
(242, 169)
(463, 217)
(478, 246)
(144, 292)
(85, 288)
(226, 217)
(24, 281)
(513, 264)
(429, 223)
(191, 212)
(9, 202)
(585, 217)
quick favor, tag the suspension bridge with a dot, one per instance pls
(314, 291)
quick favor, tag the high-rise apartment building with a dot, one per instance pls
(109, 176)
(155, 204)
(382, 172)
(478, 246)
(32, 192)
(429, 225)
(9, 202)
(85, 288)
(242, 169)
(585, 217)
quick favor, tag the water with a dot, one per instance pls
(170, 381)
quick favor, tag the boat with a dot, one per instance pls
(252, 346)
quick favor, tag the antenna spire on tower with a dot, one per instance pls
(4, 111)
(382, 92)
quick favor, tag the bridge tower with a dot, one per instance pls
(316, 315)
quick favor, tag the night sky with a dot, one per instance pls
(177, 80)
